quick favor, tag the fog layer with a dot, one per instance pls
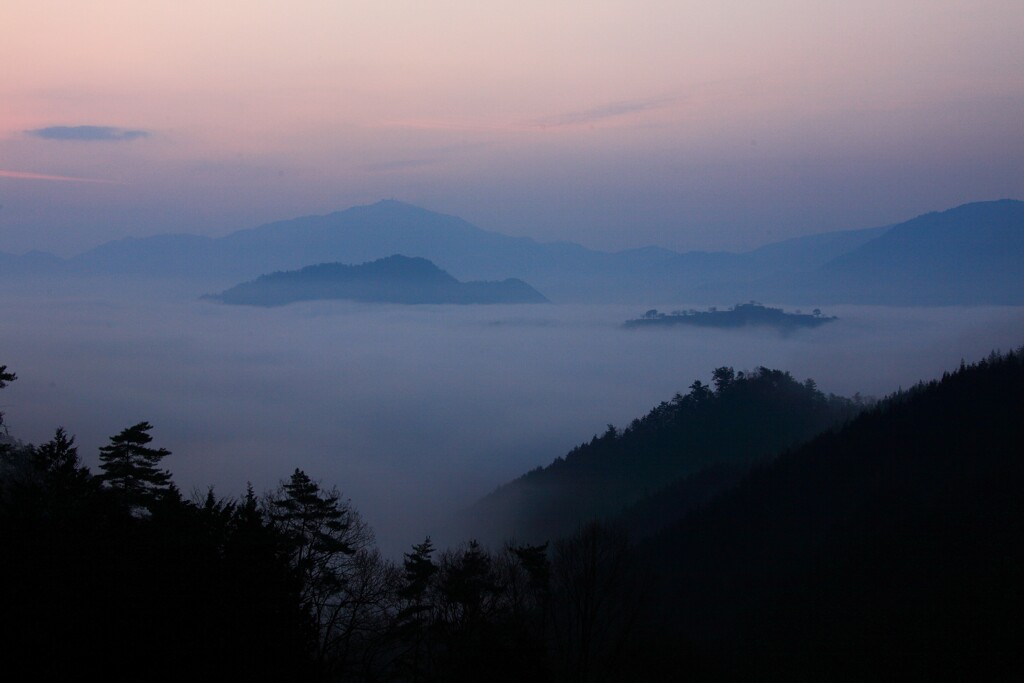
(413, 411)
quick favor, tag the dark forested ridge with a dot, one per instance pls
(892, 548)
(741, 418)
(395, 279)
(887, 547)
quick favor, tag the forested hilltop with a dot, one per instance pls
(889, 546)
(750, 314)
(698, 442)
(395, 279)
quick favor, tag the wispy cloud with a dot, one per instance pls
(603, 112)
(27, 175)
(429, 157)
(399, 165)
(88, 133)
(449, 124)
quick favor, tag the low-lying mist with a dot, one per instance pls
(413, 411)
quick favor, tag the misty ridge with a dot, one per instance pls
(774, 519)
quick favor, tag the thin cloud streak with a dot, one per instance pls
(451, 125)
(611, 110)
(399, 165)
(88, 133)
(601, 113)
(27, 175)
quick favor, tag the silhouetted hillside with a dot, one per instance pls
(892, 548)
(743, 418)
(396, 279)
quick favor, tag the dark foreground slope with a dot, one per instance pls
(395, 279)
(891, 549)
(710, 435)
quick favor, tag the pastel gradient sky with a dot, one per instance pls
(613, 123)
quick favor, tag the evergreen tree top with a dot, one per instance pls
(130, 466)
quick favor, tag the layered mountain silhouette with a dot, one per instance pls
(395, 279)
(966, 255)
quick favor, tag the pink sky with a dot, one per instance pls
(612, 123)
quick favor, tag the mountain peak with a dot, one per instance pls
(394, 207)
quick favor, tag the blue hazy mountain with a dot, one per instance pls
(395, 279)
(971, 254)
(33, 262)
(967, 255)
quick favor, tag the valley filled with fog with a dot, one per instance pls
(413, 411)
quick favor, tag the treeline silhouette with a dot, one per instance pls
(115, 574)
(889, 546)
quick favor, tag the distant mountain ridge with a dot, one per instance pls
(395, 279)
(972, 254)
(967, 255)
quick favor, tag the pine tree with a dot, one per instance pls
(130, 467)
(329, 549)
(58, 461)
(413, 620)
(419, 569)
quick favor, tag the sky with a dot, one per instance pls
(612, 123)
